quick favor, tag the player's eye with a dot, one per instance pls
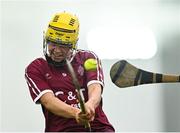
(52, 43)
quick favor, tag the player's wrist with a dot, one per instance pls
(76, 111)
(93, 103)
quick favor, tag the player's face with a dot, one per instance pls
(58, 52)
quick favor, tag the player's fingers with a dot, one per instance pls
(85, 116)
(91, 114)
(81, 121)
(82, 118)
(89, 108)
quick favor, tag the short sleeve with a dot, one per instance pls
(36, 82)
(95, 76)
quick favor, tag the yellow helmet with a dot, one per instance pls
(63, 29)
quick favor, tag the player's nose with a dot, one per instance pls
(57, 49)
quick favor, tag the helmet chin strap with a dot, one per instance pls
(55, 63)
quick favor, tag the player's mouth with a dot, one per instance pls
(58, 58)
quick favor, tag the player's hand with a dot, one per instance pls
(90, 111)
(81, 118)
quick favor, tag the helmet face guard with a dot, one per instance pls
(62, 30)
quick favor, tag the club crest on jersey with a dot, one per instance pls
(64, 74)
(48, 76)
(80, 70)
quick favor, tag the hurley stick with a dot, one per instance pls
(124, 74)
(79, 95)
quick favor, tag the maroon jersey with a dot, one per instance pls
(42, 77)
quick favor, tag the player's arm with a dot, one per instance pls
(58, 107)
(94, 94)
(37, 84)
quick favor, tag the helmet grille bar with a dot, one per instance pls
(61, 29)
